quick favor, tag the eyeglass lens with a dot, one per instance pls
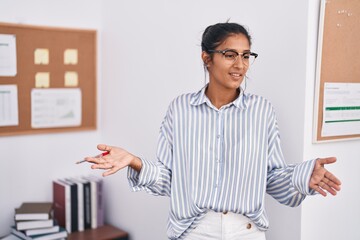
(233, 56)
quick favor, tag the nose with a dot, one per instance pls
(239, 63)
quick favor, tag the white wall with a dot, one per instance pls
(30, 163)
(330, 218)
(151, 54)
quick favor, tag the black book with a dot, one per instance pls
(87, 205)
(80, 190)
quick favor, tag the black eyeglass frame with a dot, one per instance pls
(223, 52)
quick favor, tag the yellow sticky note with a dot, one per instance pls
(71, 79)
(42, 80)
(41, 56)
(71, 57)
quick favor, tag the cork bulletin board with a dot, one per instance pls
(53, 66)
(338, 72)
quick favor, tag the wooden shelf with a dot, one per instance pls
(105, 232)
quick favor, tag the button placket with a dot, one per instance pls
(219, 138)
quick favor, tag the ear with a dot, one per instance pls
(206, 58)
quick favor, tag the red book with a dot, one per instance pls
(61, 199)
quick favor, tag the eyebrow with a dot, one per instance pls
(245, 51)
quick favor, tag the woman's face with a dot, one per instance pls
(224, 73)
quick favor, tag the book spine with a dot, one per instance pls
(87, 205)
(20, 234)
(59, 203)
(93, 204)
(81, 206)
(68, 208)
(100, 203)
(74, 207)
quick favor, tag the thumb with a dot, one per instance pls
(328, 160)
(104, 147)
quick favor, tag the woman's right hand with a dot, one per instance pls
(117, 159)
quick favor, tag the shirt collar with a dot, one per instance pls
(200, 98)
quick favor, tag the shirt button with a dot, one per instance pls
(218, 136)
(248, 226)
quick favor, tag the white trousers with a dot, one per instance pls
(225, 226)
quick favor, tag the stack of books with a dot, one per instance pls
(34, 220)
(78, 203)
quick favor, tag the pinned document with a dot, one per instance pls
(341, 109)
(9, 114)
(41, 56)
(71, 79)
(55, 107)
(71, 57)
(8, 55)
(42, 80)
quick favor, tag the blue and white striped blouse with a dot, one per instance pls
(220, 159)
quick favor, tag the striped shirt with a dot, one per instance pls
(220, 159)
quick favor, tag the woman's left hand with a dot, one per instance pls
(321, 179)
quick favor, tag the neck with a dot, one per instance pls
(221, 97)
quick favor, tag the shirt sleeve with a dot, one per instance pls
(288, 184)
(155, 177)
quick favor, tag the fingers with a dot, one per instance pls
(104, 147)
(106, 164)
(99, 158)
(111, 171)
(115, 159)
(328, 160)
(102, 166)
(100, 163)
(334, 180)
(96, 160)
(320, 190)
(317, 188)
(327, 187)
(323, 181)
(331, 184)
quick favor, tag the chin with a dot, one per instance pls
(236, 85)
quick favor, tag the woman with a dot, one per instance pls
(219, 152)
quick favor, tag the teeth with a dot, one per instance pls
(235, 74)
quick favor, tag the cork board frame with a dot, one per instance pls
(56, 40)
(338, 57)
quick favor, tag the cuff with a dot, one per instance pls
(302, 175)
(146, 177)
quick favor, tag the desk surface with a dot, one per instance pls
(105, 232)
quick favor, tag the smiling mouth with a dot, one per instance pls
(236, 75)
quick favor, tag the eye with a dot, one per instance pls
(230, 55)
(246, 56)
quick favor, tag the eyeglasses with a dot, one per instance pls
(231, 56)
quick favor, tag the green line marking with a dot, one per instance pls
(350, 120)
(342, 108)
